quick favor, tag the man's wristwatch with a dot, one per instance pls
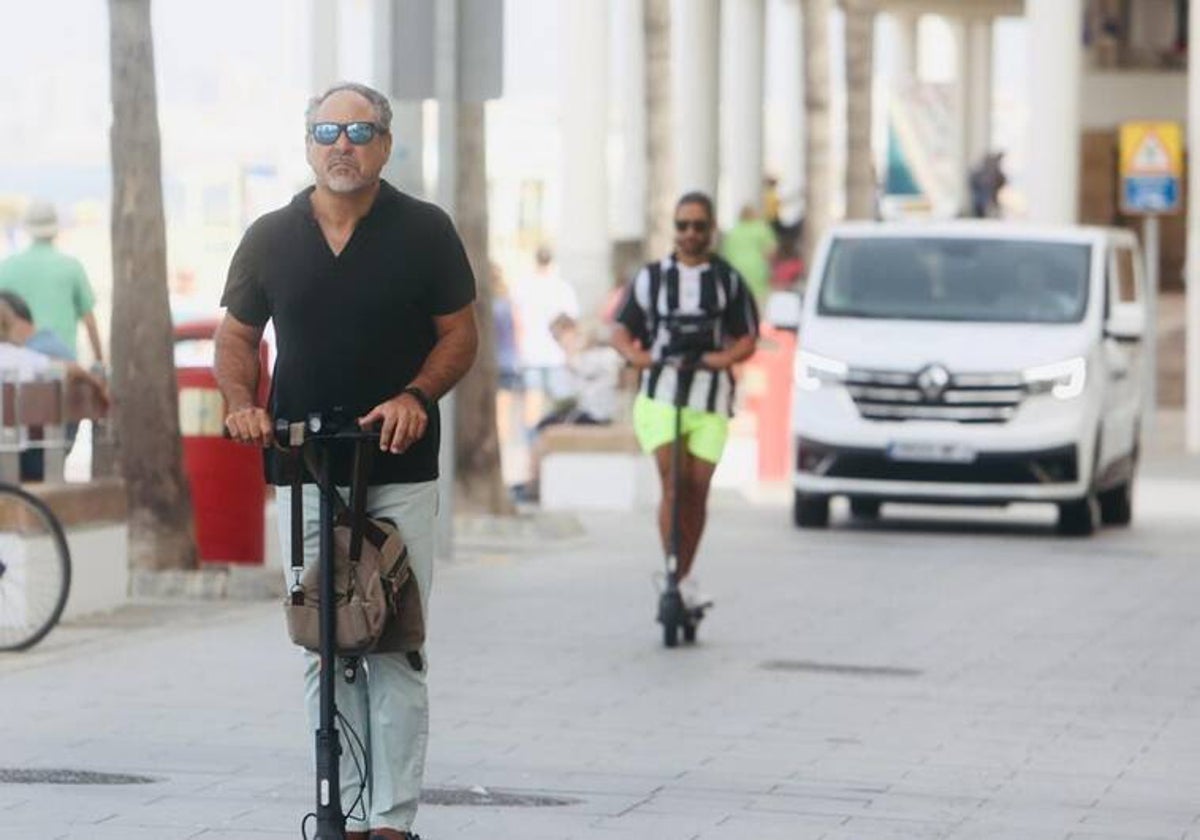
(421, 397)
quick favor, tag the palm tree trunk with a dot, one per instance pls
(860, 53)
(818, 183)
(660, 163)
(161, 533)
(479, 484)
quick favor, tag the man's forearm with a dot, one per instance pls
(236, 369)
(89, 321)
(742, 349)
(447, 363)
(629, 349)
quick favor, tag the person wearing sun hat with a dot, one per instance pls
(53, 284)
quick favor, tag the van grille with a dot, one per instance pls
(932, 393)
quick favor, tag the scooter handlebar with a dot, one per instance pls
(291, 433)
(679, 363)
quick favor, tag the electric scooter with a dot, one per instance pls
(674, 615)
(320, 432)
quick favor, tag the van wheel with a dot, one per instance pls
(1080, 517)
(1116, 505)
(810, 511)
(862, 508)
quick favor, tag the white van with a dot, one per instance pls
(970, 363)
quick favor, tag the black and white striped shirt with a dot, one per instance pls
(713, 288)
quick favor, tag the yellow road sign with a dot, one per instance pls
(1151, 162)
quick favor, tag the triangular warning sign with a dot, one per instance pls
(1151, 156)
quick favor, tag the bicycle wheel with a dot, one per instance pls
(35, 569)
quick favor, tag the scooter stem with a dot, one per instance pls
(331, 822)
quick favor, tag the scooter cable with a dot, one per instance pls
(359, 766)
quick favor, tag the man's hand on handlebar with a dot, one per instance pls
(716, 360)
(250, 424)
(402, 422)
(639, 356)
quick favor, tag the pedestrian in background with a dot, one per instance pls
(749, 246)
(538, 298)
(53, 284)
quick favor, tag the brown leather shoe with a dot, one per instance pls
(358, 835)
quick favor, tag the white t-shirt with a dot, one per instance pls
(709, 390)
(21, 364)
(596, 372)
(537, 300)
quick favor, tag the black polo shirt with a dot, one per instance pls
(352, 330)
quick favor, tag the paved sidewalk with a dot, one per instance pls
(960, 675)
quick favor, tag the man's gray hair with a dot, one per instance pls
(383, 108)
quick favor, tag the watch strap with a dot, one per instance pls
(421, 397)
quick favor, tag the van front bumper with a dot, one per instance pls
(1051, 474)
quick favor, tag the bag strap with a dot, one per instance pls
(354, 513)
(673, 287)
(358, 496)
(655, 270)
(314, 469)
(297, 505)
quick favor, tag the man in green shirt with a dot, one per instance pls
(53, 284)
(749, 246)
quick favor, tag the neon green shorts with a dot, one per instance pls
(704, 432)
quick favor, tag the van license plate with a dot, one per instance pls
(941, 453)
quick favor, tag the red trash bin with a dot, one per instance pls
(225, 478)
(770, 370)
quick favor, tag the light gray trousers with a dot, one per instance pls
(388, 705)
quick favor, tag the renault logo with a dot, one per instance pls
(932, 381)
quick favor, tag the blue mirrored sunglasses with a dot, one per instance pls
(358, 133)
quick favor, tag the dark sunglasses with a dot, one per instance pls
(698, 225)
(358, 133)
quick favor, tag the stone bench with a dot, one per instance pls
(35, 415)
(604, 468)
(594, 468)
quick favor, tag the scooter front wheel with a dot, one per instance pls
(671, 634)
(671, 616)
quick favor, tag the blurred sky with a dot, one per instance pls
(233, 79)
(232, 72)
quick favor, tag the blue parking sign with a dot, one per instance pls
(1151, 194)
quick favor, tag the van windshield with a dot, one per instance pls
(954, 279)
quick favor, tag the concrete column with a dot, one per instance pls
(785, 111)
(323, 29)
(902, 69)
(628, 199)
(1192, 380)
(741, 83)
(405, 169)
(1055, 60)
(446, 86)
(583, 238)
(695, 31)
(978, 118)
(973, 98)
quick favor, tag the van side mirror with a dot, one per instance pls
(783, 310)
(1126, 324)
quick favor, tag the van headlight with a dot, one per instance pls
(1064, 380)
(814, 370)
